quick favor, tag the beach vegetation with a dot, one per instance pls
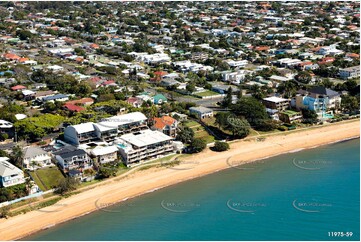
(4, 211)
(66, 185)
(186, 135)
(198, 145)
(13, 192)
(220, 146)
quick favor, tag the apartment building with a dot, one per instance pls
(143, 145)
(106, 130)
(276, 103)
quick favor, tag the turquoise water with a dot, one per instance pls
(295, 196)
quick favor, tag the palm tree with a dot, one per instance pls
(17, 156)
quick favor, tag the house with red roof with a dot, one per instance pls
(326, 60)
(94, 46)
(109, 83)
(353, 55)
(11, 57)
(167, 125)
(135, 101)
(18, 88)
(262, 48)
(73, 108)
(87, 101)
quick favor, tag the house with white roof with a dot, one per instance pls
(10, 175)
(104, 154)
(35, 157)
(276, 103)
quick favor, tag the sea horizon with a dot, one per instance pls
(288, 190)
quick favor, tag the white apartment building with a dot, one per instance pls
(143, 145)
(106, 130)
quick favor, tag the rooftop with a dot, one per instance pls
(145, 138)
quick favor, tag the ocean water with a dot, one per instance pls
(296, 196)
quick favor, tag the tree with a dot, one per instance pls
(303, 77)
(238, 126)
(186, 135)
(24, 34)
(222, 119)
(220, 146)
(309, 116)
(106, 171)
(16, 157)
(190, 87)
(198, 145)
(349, 103)
(227, 101)
(255, 113)
(66, 185)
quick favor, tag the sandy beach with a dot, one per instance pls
(193, 166)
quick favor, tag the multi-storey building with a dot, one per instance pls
(276, 103)
(143, 145)
(106, 130)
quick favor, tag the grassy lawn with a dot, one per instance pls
(47, 178)
(191, 123)
(206, 93)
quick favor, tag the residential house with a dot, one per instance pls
(318, 99)
(289, 116)
(10, 175)
(167, 125)
(57, 97)
(35, 157)
(6, 128)
(135, 101)
(350, 72)
(201, 112)
(105, 154)
(159, 99)
(70, 158)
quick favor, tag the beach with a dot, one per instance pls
(155, 178)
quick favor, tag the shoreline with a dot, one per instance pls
(153, 179)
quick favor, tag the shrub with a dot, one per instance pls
(198, 145)
(220, 146)
(282, 128)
